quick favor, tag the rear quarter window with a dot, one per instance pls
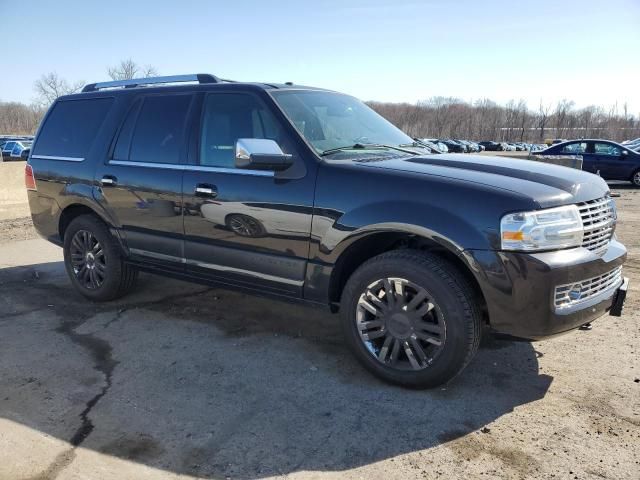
(71, 127)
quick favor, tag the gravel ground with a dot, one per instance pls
(184, 381)
(15, 229)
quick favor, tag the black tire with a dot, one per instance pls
(635, 178)
(451, 298)
(119, 277)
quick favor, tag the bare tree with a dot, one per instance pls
(543, 118)
(19, 119)
(128, 69)
(50, 86)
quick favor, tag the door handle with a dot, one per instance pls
(109, 181)
(206, 190)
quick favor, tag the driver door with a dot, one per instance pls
(243, 227)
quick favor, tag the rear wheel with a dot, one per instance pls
(635, 178)
(411, 318)
(94, 262)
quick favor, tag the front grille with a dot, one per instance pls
(576, 293)
(599, 220)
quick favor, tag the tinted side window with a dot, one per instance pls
(575, 148)
(230, 116)
(121, 150)
(158, 133)
(71, 127)
(607, 149)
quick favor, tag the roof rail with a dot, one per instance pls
(136, 82)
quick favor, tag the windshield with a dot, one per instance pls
(331, 120)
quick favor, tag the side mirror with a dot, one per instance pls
(261, 154)
(625, 153)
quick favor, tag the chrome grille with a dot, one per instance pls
(598, 219)
(572, 294)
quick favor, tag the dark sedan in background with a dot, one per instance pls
(610, 160)
(492, 146)
(454, 146)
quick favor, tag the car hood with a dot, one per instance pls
(546, 184)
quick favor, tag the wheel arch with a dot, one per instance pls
(74, 210)
(375, 242)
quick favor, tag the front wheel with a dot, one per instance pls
(635, 178)
(411, 318)
(94, 262)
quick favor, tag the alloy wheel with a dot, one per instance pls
(88, 260)
(636, 179)
(400, 324)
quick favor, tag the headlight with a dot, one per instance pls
(548, 229)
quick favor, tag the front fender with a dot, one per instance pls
(333, 234)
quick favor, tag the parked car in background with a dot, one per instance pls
(441, 145)
(634, 145)
(7, 148)
(431, 145)
(610, 160)
(18, 148)
(554, 141)
(473, 147)
(634, 141)
(453, 146)
(24, 155)
(492, 146)
(507, 147)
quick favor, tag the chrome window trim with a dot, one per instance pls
(237, 171)
(193, 168)
(55, 157)
(213, 266)
(166, 166)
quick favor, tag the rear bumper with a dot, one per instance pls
(520, 289)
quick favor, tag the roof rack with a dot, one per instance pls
(136, 82)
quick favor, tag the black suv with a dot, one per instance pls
(306, 194)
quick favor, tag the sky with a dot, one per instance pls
(587, 51)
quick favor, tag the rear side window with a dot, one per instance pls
(153, 130)
(575, 148)
(121, 151)
(71, 127)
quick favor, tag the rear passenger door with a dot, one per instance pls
(252, 230)
(141, 181)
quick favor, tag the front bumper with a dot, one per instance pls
(520, 288)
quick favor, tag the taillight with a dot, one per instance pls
(29, 179)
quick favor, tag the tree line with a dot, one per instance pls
(437, 117)
(446, 117)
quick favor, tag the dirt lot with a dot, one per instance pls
(184, 381)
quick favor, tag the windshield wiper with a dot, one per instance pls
(366, 146)
(355, 146)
